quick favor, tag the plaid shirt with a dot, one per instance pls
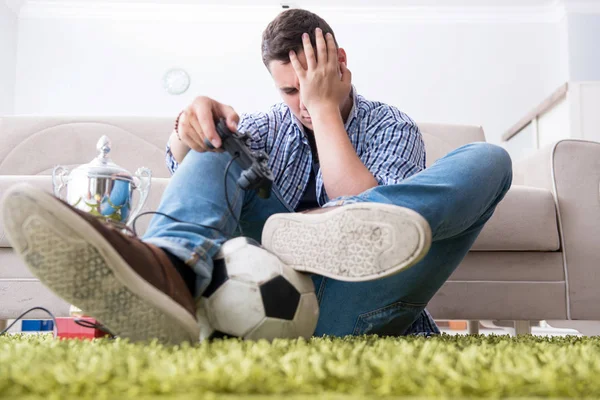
(386, 140)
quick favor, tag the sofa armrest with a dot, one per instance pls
(570, 169)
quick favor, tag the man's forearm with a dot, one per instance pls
(178, 148)
(344, 174)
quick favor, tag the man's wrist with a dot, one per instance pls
(325, 112)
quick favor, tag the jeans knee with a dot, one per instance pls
(502, 158)
(208, 156)
(495, 159)
(212, 164)
(503, 163)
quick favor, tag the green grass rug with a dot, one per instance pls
(37, 366)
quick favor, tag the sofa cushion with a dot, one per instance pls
(441, 139)
(33, 145)
(524, 220)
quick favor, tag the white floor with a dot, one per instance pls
(543, 330)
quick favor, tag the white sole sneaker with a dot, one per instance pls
(76, 262)
(356, 242)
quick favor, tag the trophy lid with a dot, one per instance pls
(102, 166)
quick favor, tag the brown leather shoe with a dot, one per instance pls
(355, 242)
(129, 286)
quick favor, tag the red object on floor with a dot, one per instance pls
(458, 325)
(68, 329)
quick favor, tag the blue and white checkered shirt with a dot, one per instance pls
(386, 140)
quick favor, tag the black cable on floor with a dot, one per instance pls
(54, 329)
(229, 207)
(237, 221)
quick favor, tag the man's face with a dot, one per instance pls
(288, 85)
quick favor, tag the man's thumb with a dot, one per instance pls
(231, 118)
(232, 122)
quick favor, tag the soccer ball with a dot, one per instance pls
(253, 295)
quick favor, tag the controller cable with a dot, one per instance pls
(237, 221)
(229, 207)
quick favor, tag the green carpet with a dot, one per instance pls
(36, 367)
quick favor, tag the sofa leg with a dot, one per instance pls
(586, 328)
(3, 324)
(522, 327)
(473, 327)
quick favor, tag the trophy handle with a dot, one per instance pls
(58, 179)
(142, 181)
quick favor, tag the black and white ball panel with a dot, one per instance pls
(307, 315)
(219, 277)
(235, 307)
(302, 282)
(232, 245)
(252, 264)
(280, 299)
(270, 329)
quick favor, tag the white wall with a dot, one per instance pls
(563, 54)
(8, 55)
(487, 74)
(584, 47)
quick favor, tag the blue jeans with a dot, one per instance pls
(456, 195)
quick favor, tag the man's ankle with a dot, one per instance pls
(187, 273)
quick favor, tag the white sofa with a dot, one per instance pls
(536, 258)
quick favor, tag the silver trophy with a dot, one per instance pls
(102, 188)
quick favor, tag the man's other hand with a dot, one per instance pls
(197, 123)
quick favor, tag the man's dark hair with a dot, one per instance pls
(284, 33)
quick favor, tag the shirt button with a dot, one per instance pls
(299, 187)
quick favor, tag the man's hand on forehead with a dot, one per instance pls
(320, 82)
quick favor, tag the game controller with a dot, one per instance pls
(256, 173)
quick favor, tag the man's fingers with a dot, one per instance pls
(198, 137)
(300, 71)
(232, 119)
(187, 132)
(331, 49)
(198, 148)
(308, 51)
(207, 125)
(321, 46)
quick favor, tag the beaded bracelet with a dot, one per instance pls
(177, 125)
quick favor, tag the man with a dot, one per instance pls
(362, 161)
